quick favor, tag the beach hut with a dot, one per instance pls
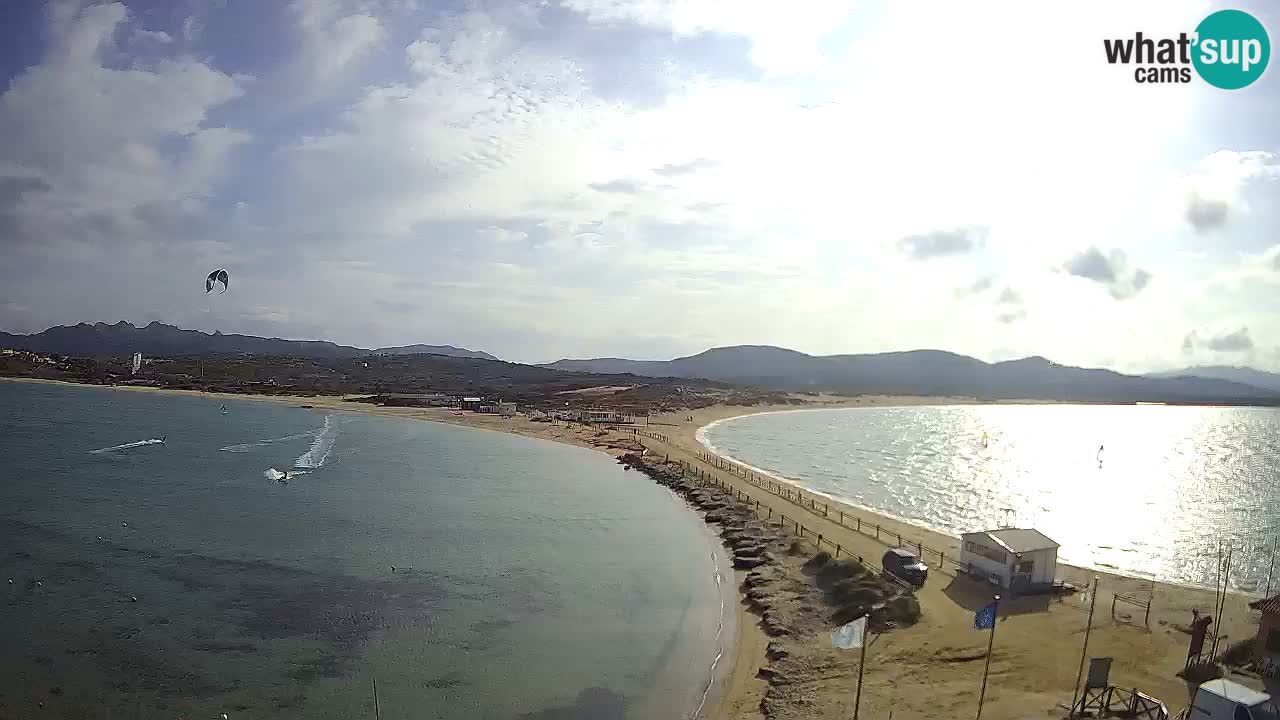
(1018, 559)
(1266, 645)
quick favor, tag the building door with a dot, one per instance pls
(1022, 572)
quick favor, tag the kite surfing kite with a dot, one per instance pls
(217, 276)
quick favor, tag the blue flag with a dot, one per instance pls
(985, 619)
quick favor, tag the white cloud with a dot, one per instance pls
(1214, 189)
(154, 36)
(1109, 270)
(117, 149)
(336, 36)
(500, 235)
(785, 40)
(477, 168)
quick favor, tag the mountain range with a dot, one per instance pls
(1248, 376)
(449, 350)
(933, 372)
(916, 372)
(158, 339)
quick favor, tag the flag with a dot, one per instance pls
(850, 635)
(985, 619)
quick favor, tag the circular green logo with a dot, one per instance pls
(1232, 49)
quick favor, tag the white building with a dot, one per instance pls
(1018, 559)
(507, 409)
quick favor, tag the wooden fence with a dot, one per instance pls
(840, 516)
(1141, 602)
(780, 520)
(652, 435)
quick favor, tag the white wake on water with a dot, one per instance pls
(320, 447)
(127, 446)
(706, 692)
(274, 474)
(251, 446)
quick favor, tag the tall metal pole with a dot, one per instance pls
(1084, 651)
(991, 641)
(1217, 588)
(862, 662)
(1272, 566)
(1222, 605)
(377, 712)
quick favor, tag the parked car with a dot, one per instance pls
(1225, 700)
(904, 565)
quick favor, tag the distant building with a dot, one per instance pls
(507, 409)
(428, 399)
(597, 416)
(472, 403)
(1017, 559)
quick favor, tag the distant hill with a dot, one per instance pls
(122, 338)
(449, 350)
(1248, 376)
(158, 339)
(927, 372)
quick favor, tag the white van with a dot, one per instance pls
(1225, 700)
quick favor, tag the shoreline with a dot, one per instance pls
(733, 675)
(1146, 657)
(1036, 657)
(920, 526)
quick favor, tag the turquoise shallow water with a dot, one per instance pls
(1173, 482)
(531, 580)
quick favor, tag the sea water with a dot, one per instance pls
(473, 574)
(1152, 491)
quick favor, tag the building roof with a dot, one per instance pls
(1234, 692)
(1019, 540)
(1268, 606)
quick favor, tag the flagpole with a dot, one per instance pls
(862, 662)
(991, 641)
(1084, 651)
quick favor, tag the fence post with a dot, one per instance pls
(899, 538)
(942, 559)
(859, 523)
(770, 513)
(877, 531)
(837, 551)
(920, 551)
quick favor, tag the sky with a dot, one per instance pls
(640, 178)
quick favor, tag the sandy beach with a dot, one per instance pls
(932, 669)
